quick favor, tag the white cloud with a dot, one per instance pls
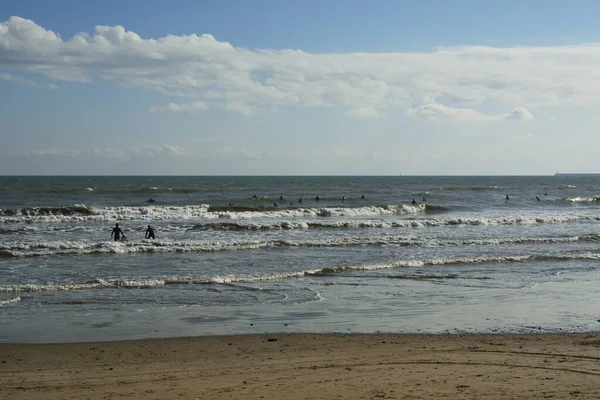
(199, 106)
(442, 113)
(25, 81)
(365, 112)
(518, 114)
(173, 107)
(245, 80)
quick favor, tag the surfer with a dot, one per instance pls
(274, 204)
(507, 198)
(414, 201)
(538, 199)
(362, 197)
(150, 200)
(149, 233)
(117, 233)
(317, 198)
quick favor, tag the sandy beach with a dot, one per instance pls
(308, 366)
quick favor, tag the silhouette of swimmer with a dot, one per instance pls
(414, 201)
(149, 233)
(117, 233)
(343, 198)
(362, 197)
(254, 196)
(274, 204)
(537, 198)
(317, 198)
(300, 200)
(507, 198)
(281, 198)
(150, 200)
(424, 199)
(545, 194)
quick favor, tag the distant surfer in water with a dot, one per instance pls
(117, 233)
(150, 200)
(414, 201)
(149, 233)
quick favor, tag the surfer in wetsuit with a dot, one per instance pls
(117, 233)
(149, 233)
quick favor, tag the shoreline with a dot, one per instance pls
(315, 366)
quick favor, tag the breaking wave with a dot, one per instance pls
(200, 212)
(9, 301)
(47, 248)
(239, 280)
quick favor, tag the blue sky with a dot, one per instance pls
(312, 87)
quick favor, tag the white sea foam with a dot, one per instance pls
(201, 212)
(588, 199)
(46, 248)
(236, 279)
(9, 301)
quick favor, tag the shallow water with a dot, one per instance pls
(361, 258)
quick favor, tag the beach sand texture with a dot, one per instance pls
(308, 366)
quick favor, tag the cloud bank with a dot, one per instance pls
(441, 113)
(448, 84)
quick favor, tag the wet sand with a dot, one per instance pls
(308, 366)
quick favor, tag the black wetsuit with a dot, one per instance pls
(116, 233)
(149, 233)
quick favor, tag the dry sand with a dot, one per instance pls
(306, 366)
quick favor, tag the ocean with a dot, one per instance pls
(255, 254)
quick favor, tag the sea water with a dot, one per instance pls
(296, 254)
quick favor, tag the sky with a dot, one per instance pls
(430, 87)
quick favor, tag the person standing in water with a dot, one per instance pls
(149, 233)
(117, 233)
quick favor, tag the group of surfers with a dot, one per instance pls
(118, 236)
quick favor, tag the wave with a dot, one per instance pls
(436, 277)
(585, 199)
(200, 212)
(216, 217)
(453, 261)
(53, 248)
(242, 280)
(390, 223)
(46, 211)
(9, 301)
